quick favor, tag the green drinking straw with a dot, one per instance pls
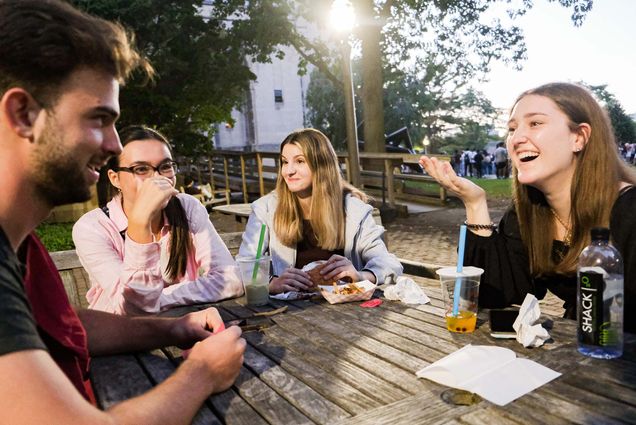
(460, 265)
(258, 252)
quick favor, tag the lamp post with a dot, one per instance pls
(342, 20)
(426, 142)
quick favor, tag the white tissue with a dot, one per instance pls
(407, 291)
(529, 334)
(291, 296)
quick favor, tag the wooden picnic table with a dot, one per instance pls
(241, 212)
(322, 363)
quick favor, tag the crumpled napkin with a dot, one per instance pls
(407, 291)
(529, 334)
(291, 296)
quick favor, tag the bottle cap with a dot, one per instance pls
(600, 234)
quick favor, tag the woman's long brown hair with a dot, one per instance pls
(599, 171)
(327, 197)
(180, 239)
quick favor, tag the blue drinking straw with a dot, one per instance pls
(460, 266)
(258, 252)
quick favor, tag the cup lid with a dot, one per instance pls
(467, 271)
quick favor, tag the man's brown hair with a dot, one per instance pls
(43, 41)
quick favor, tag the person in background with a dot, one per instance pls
(190, 187)
(151, 248)
(314, 214)
(478, 158)
(486, 163)
(456, 159)
(567, 178)
(60, 72)
(501, 161)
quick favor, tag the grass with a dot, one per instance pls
(495, 188)
(56, 236)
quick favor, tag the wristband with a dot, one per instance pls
(491, 226)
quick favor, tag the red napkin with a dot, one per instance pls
(371, 303)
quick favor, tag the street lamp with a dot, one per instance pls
(426, 142)
(342, 20)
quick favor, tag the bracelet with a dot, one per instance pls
(491, 226)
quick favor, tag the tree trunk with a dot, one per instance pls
(372, 92)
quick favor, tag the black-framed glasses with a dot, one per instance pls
(166, 169)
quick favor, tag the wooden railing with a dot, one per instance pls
(253, 174)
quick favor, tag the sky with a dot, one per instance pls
(601, 51)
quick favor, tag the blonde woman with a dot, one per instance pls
(567, 178)
(151, 248)
(315, 215)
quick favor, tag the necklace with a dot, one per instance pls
(567, 238)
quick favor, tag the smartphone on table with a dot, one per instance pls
(501, 321)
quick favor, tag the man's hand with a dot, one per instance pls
(222, 356)
(194, 327)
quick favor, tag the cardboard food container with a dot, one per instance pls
(333, 298)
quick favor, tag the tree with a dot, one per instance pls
(201, 58)
(624, 129)
(392, 33)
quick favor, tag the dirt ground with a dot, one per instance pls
(432, 237)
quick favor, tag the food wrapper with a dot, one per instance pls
(407, 291)
(333, 298)
(529, 334)
(291, 296)
(296, 295)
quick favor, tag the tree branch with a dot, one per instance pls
(299, 42)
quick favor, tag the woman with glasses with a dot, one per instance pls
(151, 248)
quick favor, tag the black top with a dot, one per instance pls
(308, 250)
(18, 330)
(504, 258)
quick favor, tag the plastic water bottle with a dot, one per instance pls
(600, 298)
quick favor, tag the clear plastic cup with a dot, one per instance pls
(460, 313)
(255, 277)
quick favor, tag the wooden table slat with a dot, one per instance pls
(303, 397)
(352, 336)
(336, 367)
(266, 402)
(422, 408)
(344, 350)
(125, 379)
(341, 393)
(159, 367)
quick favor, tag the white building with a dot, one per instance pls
(275, 103)
(274, 106)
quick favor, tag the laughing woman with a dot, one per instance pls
(151, 248)
(567, 178)
(315, 215)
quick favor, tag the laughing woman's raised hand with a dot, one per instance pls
(443, 172)
(473, 196)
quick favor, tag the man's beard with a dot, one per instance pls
(58, 177)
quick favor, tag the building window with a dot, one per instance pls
(278, 96)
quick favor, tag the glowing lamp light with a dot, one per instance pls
(342, 16)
